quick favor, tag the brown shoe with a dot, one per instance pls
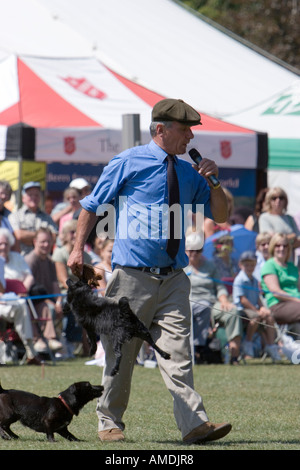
(207, 432)
(114, 434)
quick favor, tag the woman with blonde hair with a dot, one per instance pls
(280, 282)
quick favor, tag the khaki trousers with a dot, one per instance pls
(162, 303)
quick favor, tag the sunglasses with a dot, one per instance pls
(281, 198)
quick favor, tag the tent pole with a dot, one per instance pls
(131, 133)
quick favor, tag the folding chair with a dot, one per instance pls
(16, 286)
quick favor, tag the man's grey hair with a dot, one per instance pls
(154, 124)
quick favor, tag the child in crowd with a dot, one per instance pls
(246, 296)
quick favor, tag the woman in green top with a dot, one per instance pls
(280, 282)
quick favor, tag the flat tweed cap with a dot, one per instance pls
(175, 110)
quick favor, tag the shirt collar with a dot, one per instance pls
(26, 210)
(159, 152)
(245, 277)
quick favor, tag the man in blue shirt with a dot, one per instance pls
(152, 279)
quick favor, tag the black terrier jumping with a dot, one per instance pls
(101, 315)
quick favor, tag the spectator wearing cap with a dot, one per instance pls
(30, 217)
(202, 274)
(82, 185)
(148, 269)
(209, 294)
(246, 297)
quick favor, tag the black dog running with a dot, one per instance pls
(43, 414)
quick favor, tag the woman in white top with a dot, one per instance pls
(15, 266)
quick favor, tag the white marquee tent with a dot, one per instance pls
(71, 110)
(158, 43)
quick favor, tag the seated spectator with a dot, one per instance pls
(252, 221)
(209, 299)
(72, 196)
(243, 240)
(60, 209)
(64, 207)
(280, 279)
(61, 255)
(95, 249)
(15, 265)
(29, 218)
(17, 268)
(85, 189)
(72, 332)
(104, 267)
(223, 257)
(14, 310)
(44, 273)
(5, 195)
(246, 297)
(275, 218)
(262, 242)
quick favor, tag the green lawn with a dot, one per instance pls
(261, 400)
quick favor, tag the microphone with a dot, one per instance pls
(195, 155)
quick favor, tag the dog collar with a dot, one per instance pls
(66, 404)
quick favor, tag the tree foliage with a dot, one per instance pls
(272, 25)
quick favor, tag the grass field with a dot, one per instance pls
(261, 400)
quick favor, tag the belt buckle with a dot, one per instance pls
(155, 270)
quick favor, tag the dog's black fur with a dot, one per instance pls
(43, 414)
(101, 315)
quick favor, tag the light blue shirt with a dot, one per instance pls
(136, 182)
(243, 285)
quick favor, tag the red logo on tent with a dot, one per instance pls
(69, 145)
(84, 86)
(225, 148)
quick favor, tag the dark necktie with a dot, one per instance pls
(173, 193)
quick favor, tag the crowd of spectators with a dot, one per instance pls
(244, 279)
(256, 258)
(34, 249)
